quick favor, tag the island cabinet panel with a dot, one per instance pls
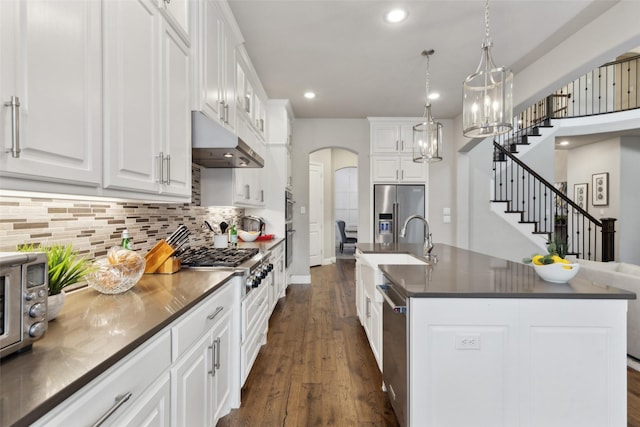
(517, 362)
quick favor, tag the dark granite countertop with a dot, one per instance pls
(460, 273)
(91, 334)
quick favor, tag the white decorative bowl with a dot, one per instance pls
(248, 236)
(557, 272)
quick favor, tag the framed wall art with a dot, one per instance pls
(600, 189)
(580, 193)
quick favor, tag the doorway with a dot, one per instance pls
(346, 208)
(316, 210)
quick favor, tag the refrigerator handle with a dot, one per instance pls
(395, 223)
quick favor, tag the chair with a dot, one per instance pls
(342, 237)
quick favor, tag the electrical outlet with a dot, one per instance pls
(467, 342)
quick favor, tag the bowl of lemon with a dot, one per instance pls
(553, 267)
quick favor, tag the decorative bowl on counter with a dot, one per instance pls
(557, 272)
(118, 272)
(248, 236)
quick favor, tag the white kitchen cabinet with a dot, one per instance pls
(255, 324)
(251, 98)
(177, 12)
(54, 71)
(215, 64)
(147, 123)
(152, 409)
(132, 389)
(203, 376)
(397, 169)
(278, 272)
(392, 137)
(232, 187)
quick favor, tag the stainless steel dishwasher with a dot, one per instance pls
(394, 351)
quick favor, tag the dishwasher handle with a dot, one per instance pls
(384, 290)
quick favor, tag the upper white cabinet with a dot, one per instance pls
(147, 119)
(392, 137)
(177, 12)
(215, 63)
(250, 97)
(53, 72)
(391, 151)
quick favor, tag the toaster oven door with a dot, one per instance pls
(10, 310)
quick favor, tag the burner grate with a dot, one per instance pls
(216, 257)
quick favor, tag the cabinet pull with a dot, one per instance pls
(396, 174)
(212, 347)
(402, 174)
(168, 160)
(120, 400)
(262, 196)
(402, 145)
(160, 158)
(396, 145)
(368, 308)
(222, 111)
(215, 313)
(226, 113)
(15, 126)
(217, 365)
(167, 1)
(247, 191)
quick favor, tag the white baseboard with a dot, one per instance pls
(329, 261)
(301, 279)
(633, 363)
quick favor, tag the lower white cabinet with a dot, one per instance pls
(121, 392)
(255, 323)
(152, 409)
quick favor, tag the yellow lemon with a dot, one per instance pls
(567, 267)
(556, 258)
(537, 260)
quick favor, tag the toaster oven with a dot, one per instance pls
(23, 299)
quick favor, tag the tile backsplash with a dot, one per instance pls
(95, 226)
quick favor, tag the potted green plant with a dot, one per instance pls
(66, 268)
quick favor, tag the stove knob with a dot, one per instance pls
(256, 282)
(270, 267)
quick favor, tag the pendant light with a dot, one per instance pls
(487, 104)
(427, 136)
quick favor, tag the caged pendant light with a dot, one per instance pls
(427, 136)
(487, 104)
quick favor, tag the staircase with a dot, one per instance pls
(526, 198)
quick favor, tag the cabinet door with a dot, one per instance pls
(385, 169)
(55, 72)
(386, 139)
(223, 369)
(132, 95)
(177, 13)
(176, 115)
(411, 171)
(191, 385)
(406, 138)
(152, 409)
(212, 60)
(229, 83)
(375, 330)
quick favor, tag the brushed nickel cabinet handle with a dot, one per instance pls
(168, 160)
(217, 364)
(120, 400)
(14, 103)
(215, 313)
(212, 347)
(160, 158)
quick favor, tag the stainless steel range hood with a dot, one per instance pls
(213, 146)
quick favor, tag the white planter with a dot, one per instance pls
(54, 305)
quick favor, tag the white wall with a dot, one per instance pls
(583, 162)
(629, 222)
(310, 135)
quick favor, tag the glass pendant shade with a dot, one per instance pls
(487, 103)
(427, 140)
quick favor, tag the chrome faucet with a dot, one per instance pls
(428, 243)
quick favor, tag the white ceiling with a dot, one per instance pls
(361, 66)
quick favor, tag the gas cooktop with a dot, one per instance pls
(216, 257)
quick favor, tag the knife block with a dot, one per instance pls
(160, 254)
(170, 266)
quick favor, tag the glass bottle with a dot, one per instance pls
(233, 235)
(127, 243)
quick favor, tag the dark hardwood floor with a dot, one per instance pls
(317, 368)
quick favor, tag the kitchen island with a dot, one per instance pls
(489, 343)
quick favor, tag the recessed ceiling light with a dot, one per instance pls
(434, 95)
(310, 95)
(227, 155)
(564, 143)
(396, 15)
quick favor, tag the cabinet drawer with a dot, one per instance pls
(257, 338)
(202, 318)
(252, 308)
(132, 375)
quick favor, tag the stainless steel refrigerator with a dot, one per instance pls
(392, 205)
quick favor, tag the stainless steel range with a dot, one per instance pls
(253, 265)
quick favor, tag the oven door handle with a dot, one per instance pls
(384, 290)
